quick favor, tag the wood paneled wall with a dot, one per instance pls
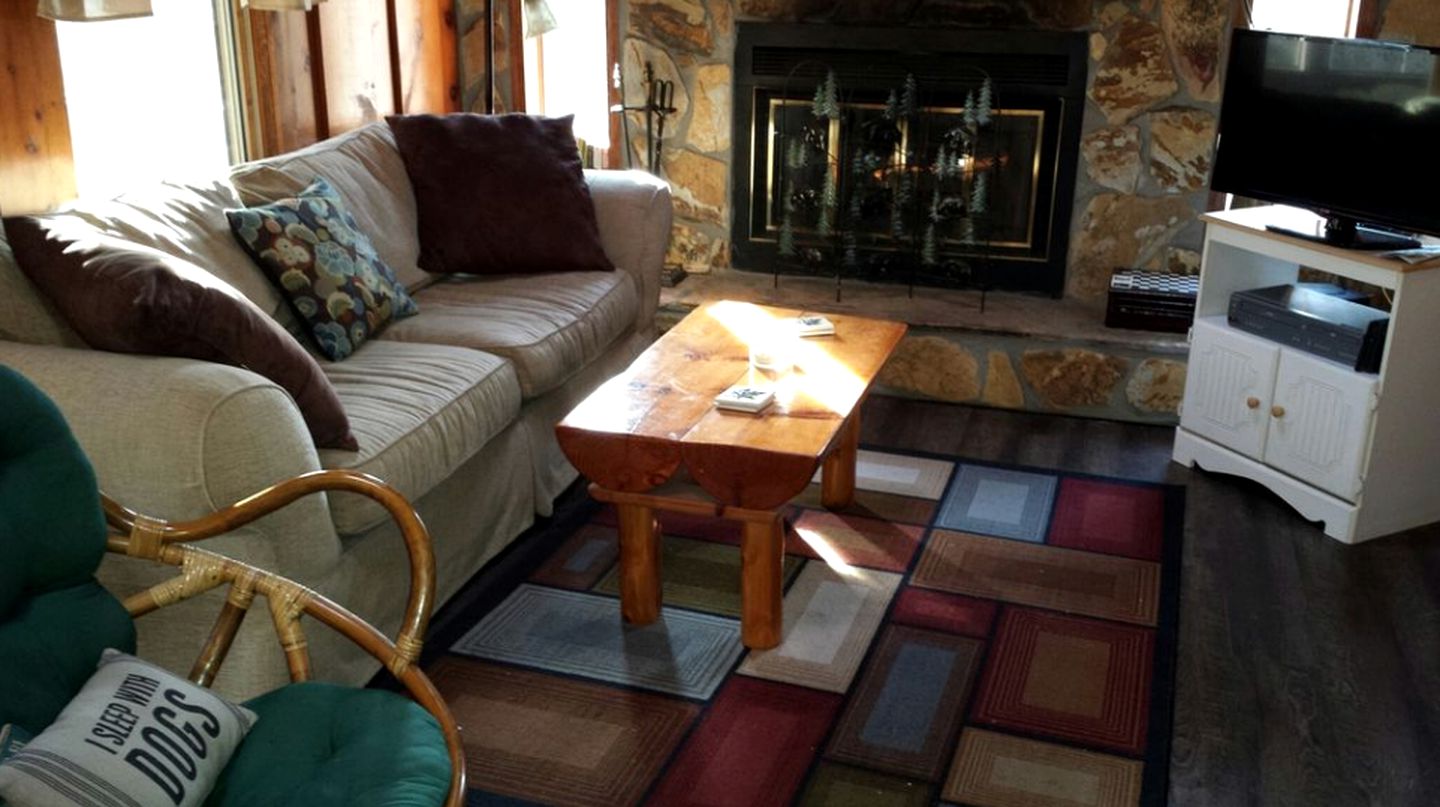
(37, 170)
(426, 60)
(344, 64)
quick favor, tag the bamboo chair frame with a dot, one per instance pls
(140, 536)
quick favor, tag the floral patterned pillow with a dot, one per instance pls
(328, 269)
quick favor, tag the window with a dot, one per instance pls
(566, 69)
(145, 98)
(1335, 18)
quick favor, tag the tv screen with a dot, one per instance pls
(1347, 127)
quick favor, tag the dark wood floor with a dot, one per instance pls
(1308, 671)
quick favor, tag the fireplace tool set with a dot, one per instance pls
(659, 105)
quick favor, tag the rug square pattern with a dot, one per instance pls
(900, 474)
(1000, 502)
(947, 613)
(753, 747)
(702, 575)
(830, 617)
(1104, 586)
(854, 540)
(546, 739)
(874, 504)
(834, 785)
(998, 770)
(681, 653)
(995, 770)
(1109, 517)
(581, 560)
(904, 711)
(1069, 678)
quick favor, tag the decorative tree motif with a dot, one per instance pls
(889, 182)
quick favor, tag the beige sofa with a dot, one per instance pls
(455, 407)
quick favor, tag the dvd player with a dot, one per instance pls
(1318, 323)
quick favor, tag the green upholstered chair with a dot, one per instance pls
(315, 743)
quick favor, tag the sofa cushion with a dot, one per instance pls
(128, 298)
(310, 245)
(25, 314)
(366, 171)
(499, 194)
(419, 411)
(550, 326)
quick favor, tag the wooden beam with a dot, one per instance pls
(285, 84)
(515, 48)
(315, 42)
(614, 156)
(37, 167)
(354, 63)
(427, 61)
(1370, 16)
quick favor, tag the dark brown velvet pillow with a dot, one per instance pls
(499, 194)
(128, 299)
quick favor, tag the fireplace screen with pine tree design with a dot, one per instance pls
(882, 174)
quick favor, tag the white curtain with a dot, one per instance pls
(84, 10)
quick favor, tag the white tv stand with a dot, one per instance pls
(1357, 451)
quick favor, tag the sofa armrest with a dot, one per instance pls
(634, 212)
(180, 438)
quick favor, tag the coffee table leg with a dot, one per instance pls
(639, 564)
(762, 553)
(837, 481)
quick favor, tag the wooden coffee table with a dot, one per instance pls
(634, 433)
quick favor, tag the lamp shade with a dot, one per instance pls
(89, 10)
(539, 19)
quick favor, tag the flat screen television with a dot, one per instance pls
(1349, 128)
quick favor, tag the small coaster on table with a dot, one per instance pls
(745, 398)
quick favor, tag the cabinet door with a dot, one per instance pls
(1227, 389)
(1320, 422)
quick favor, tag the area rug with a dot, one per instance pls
(964, 634)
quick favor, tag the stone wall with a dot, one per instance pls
(1108, 381)
(1149, 125)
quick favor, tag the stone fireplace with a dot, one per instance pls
(1151, 88)
(1151, 92)
(893, 174)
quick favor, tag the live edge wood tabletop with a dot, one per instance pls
(642, 427)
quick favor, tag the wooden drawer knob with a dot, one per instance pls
(1277, 411)
(1252, 402)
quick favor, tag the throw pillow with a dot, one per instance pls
(311, 247)
(499, 194)
(131, 299)
(134, 734)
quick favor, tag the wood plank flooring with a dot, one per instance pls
(1309, 671)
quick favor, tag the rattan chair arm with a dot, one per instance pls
(158, 540)
(304, 601)
(144, 536)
